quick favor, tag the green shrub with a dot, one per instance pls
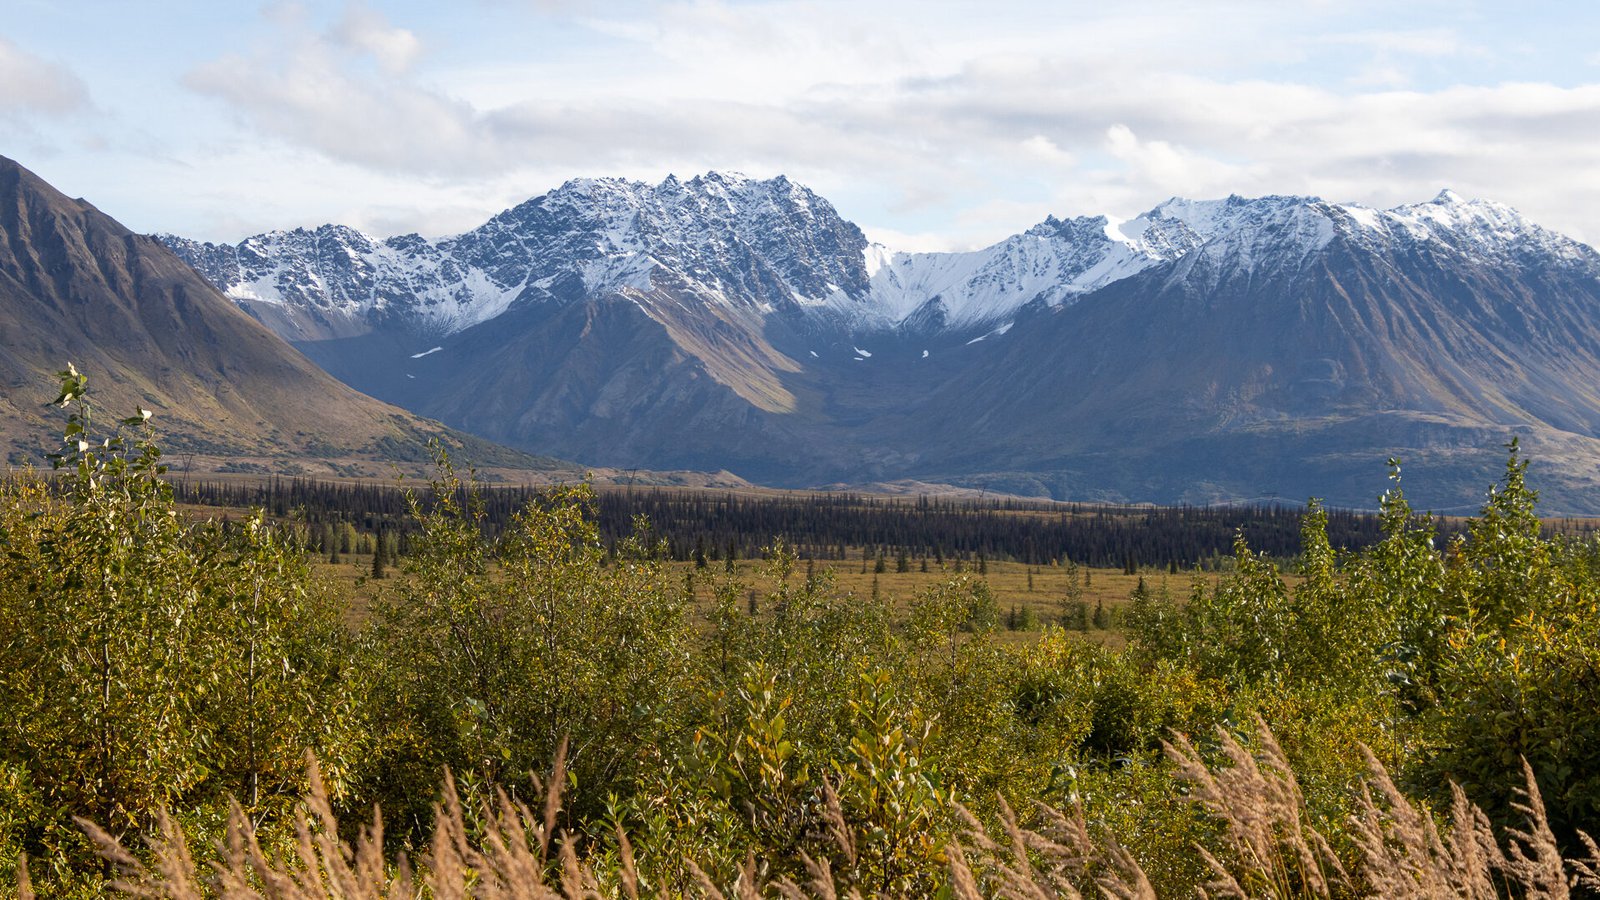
(149, 661)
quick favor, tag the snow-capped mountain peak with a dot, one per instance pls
(765, 245)
(731, 238)
(1058, 260)
(1051, 262)
(1483, 231)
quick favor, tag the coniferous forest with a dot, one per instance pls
(533, 706)
(692, 524)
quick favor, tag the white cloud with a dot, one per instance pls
(929, 120)
(366, 30)
(922, 242)
(1165, 166)
(31, 84)
(1042, 149)
(312, 89)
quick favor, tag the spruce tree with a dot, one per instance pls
(380, 557)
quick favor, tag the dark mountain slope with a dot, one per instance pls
(1196, 380)
(600, 380)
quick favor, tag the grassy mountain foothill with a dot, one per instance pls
(189, 712)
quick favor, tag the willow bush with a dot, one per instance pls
(148, 661)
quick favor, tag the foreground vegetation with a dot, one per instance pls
(163, 682)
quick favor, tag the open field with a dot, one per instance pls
(1028, 598)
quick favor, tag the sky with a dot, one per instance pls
(932, 125)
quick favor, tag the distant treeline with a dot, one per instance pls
(832, 526)
(824, 525)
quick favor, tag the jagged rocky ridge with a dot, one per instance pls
(776, 246)
(1204, 350)
(766, 245)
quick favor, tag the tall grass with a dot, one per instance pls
(1269, 849)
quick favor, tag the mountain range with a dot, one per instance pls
(1203, 351)
(77, 287)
